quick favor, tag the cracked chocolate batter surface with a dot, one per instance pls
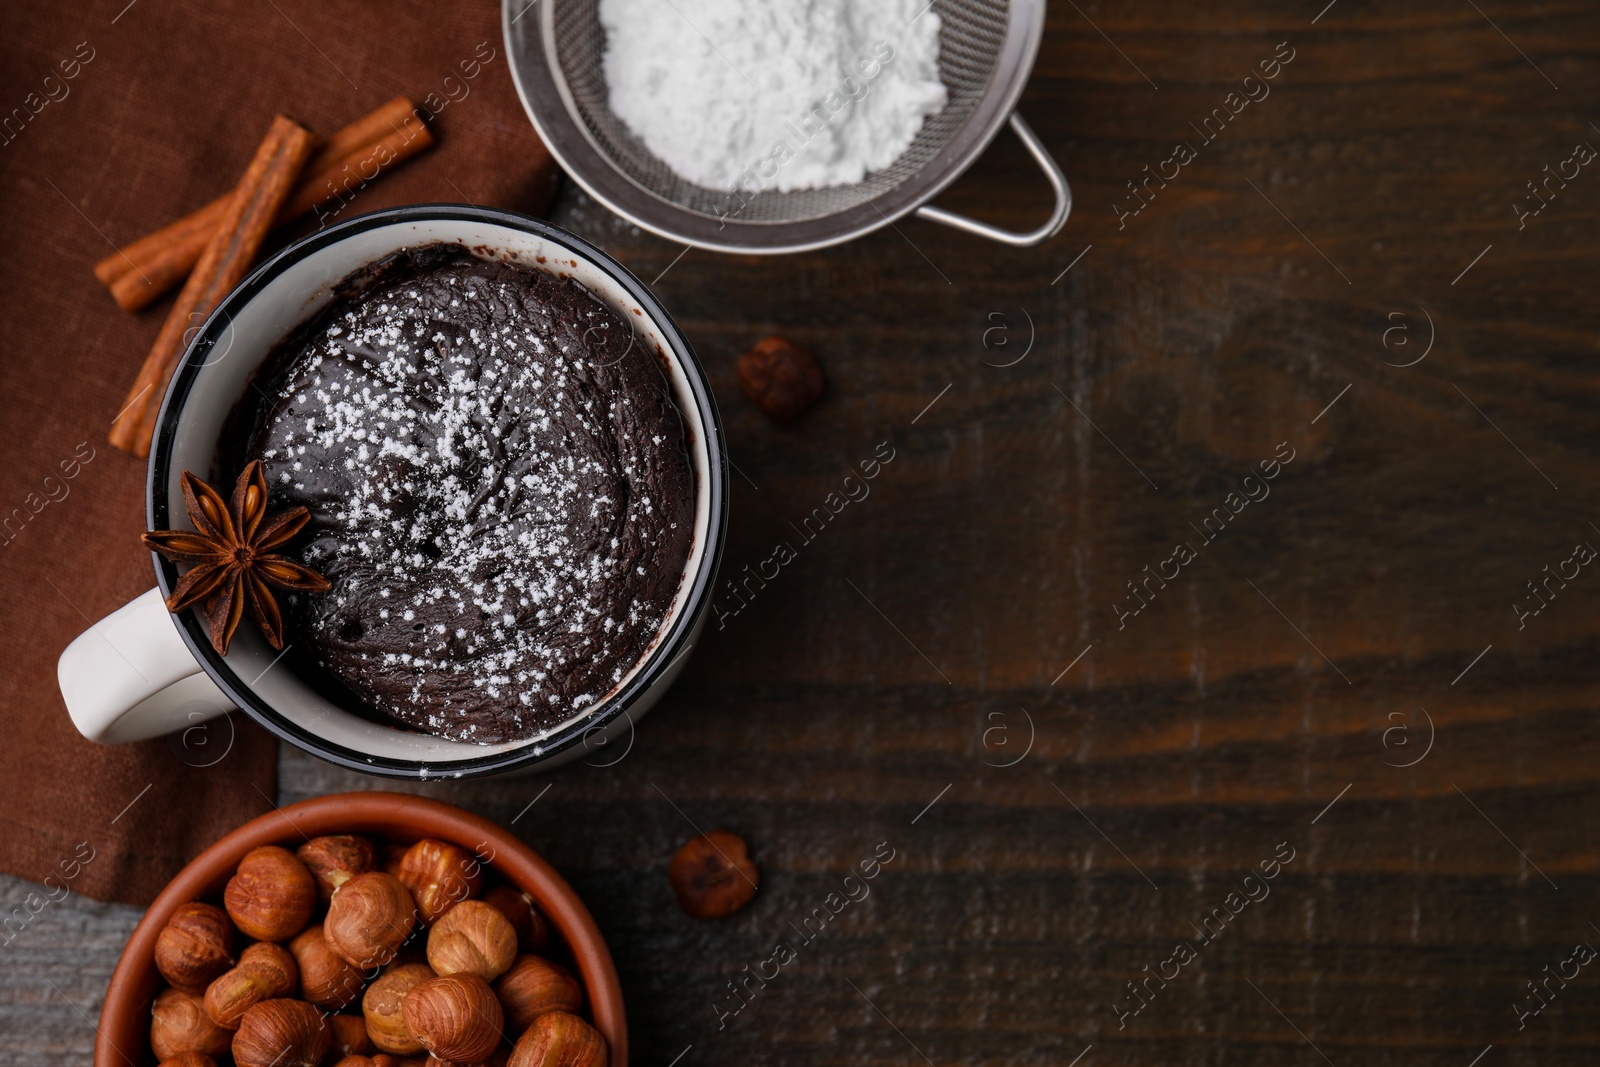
(500, 490)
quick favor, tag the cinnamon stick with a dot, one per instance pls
(347, 140)
(140, 273)
(245, 220)
(346, 174)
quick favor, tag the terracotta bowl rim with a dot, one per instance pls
(124, 1017)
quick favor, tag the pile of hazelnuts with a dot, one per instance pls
(352, 989)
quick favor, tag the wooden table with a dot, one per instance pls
(1078, 660)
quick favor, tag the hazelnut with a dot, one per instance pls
(780, 378)
(382, 1059)
(188, 1059)
(533, 929)
(265, 972)
(381, 1007)
(534, 986)
(369, 918)
(472, 938)
(326, 980)
(281, 1033)
(179, 1023)
(559, 1040)
(439, 876)
(712, 875)
(455, 1017)
(333, 861)
(195, 946)
(349, 1036)
(271, 895)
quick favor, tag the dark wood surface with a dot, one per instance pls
(878, 688)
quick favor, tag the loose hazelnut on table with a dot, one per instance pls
(712, 875)
(533, 987)
(326, 979)
(348, 1035)
(195, 946)
(455, 1017)
(265, 972)
(780, 378)
(335, 860)
(179, 1023)
(559, 1040)
(271, 895)
(533, 929)
(472, 938)
(381, 1006)
(439, 875)
(369, 918)
(281, 1033)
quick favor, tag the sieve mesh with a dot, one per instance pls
(971, 33)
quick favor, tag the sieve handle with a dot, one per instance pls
(1058, 182)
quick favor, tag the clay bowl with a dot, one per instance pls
(124, 1033)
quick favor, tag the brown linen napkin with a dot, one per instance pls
(164, 105)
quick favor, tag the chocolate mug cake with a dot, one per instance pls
(500, 490)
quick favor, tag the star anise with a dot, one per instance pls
(235, 566)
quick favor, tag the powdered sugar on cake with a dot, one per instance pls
(500, 495)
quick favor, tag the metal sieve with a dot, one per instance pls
(986, 51)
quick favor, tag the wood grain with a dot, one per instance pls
(1255, 690)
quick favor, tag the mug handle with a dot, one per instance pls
(1052, 172)
(130, 677)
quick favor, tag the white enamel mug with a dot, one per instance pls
(142, 672)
